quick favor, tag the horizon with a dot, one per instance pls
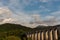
(30, 12)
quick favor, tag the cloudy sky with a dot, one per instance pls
(30, 13)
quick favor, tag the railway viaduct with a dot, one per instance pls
(49, 33)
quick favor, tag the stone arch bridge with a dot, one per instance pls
(49, 33)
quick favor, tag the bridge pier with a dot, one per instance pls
(51, 38)
(35, 36)
(32, 36)
(46, 35)
(55, 34)
(39, 35)
(27, 36)
(42, 35)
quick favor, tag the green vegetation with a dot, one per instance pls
(12, 38)
(12, 31)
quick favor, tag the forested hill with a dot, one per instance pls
(12, 31)
(9, 27)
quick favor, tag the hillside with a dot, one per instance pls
(8, 31)
(8, 27)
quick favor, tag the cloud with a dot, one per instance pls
(1, 4)
(36, 17)
(53, 19)
(22, 18)
(3, 9)
(56, 0)
(19, 18)
(56, 13)
(7, 20)
(49, 20)
(44, 0)
(26, 2)
(5, 13)
(49, 17)
(9, 17)
(14, 2)
(31, 20)
(57, 16)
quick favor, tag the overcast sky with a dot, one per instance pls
(30, 13)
